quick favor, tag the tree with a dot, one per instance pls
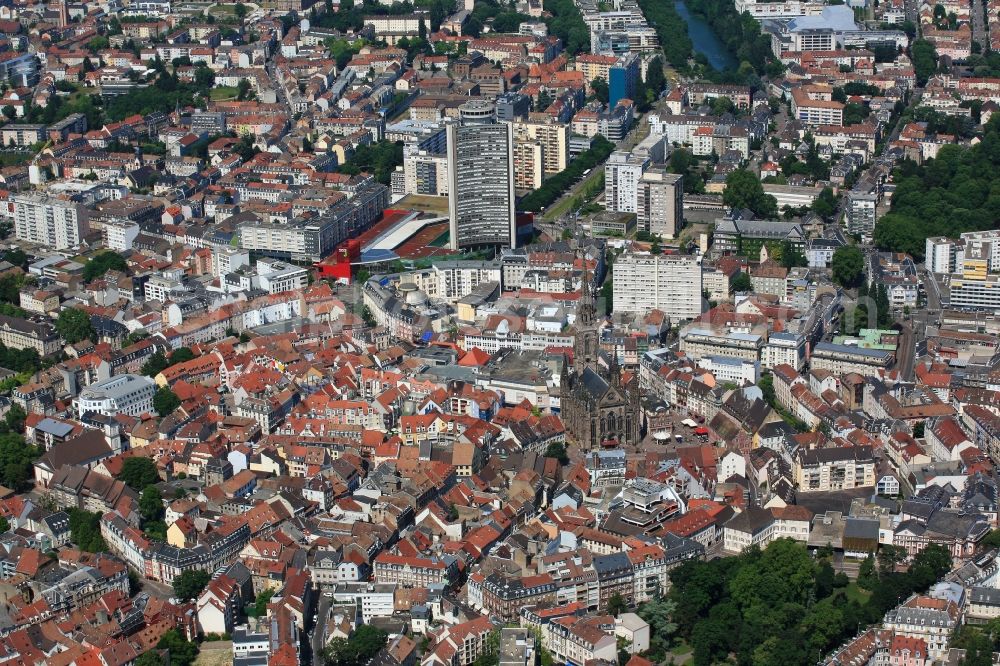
(74, 326)
(357, 650)
(85, 530)
(155, 364)
(181, 355)
(243, 90)
(617, 605)
(4, 525)
(557, 450)
(825, 580)
(599, 89)
(380, 159)
(924, 57)
(929, 565)
(190, 584)
(867, 577)
(138, 472)
(241, 10)
(743, 190)
(658, 613)
(134, 337)
(182, 651)
(259, 607)
(656, 82)
(151, 658)
(165, 401)
(102, 263)
(15, 418)
(848, 266)
(16, 457)
(98, 44)
(151, 504)
(825, 204)
(889, 557)
(741, 283)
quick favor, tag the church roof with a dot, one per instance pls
(594, 383)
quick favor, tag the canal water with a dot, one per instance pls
(705, 41)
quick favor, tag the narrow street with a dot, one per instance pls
(554, 225)
(905, 351)
(979, 24)
(317, 634)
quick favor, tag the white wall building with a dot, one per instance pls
(56, 223)
(670, 283)
(120, 235)
(783, 348)
(622, 174)
(731, 370)
(122, 394)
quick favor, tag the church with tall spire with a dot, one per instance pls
(597, 408)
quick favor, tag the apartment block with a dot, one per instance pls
(57, 223)
(670, 283)
(660, 203)
(840, 468)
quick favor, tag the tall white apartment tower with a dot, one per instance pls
(481, 179)
(56, 223)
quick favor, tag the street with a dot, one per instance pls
(318, 634)
(905, 351)
(555, 227)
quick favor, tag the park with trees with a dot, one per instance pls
(781, 606)
(955, 192)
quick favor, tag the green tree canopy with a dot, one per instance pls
(16, 457)
(924, 57)
(616, 604)
(848, 266)
(74, 326)
(182, 652)
(85, 530)
(780, 606)
(102, 263)
(741, 282)
(165, 401)
(379, 159)
(155, 364)
(825, 204)
(599, 88)
(190, 583)
(15, 418)
(151, 504)
(955, 192)
(138, 472)
(744, 190)
(564, 20)
(357, 650)
(557, 450)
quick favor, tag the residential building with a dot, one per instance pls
(481, 179)
(622, 79)
(660, 203)
(843, 359)
(669, 283)
(57, 223)
(838, 468)
(121, 394)
(18, 333)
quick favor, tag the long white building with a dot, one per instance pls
(122, 394)
(670, 283)
(56, 223)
